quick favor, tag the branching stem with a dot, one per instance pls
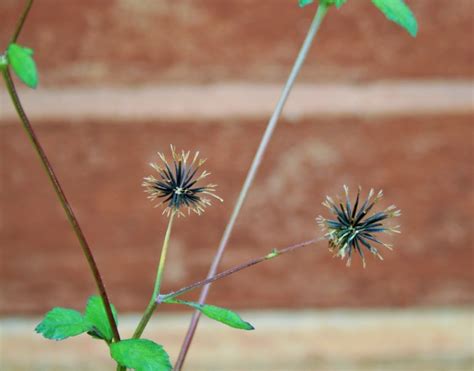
(320, 13)
(273, 254)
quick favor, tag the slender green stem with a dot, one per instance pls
(159, 277)
(21, 21)
(62, 199)
(273, 254)
(321, 12)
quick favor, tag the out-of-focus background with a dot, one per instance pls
(122, 79)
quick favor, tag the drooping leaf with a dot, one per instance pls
(398, 12)
(23, 64)
(97, 316)
(61, 323)
(223, 315)
(141, 355)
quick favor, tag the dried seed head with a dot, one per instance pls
(177, 184)
(354, 228)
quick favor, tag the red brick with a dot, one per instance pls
(420, 162)
(124, 41)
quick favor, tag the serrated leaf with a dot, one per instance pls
(223, 315)
(95, 313)
(61, 323)
(141, 355)
(398, 12)
(23, 64)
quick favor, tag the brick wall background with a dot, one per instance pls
(120, 80)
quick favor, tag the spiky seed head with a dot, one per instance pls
(355, 226)
(176, 183)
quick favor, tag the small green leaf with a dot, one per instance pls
(398, 12)
(141, 355)
(22, 62)
(97, 316)
(337, 3)
(223, 315)
(305, 2)
(273, 254)
(61, 323)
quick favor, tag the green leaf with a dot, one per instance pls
(305, 2)
(97, 316)
(337, 3)
(141, 355)
(61, 323)
(398, 12)
(22, 62)
(223, 315)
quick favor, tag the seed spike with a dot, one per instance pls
(354, 229)
(176, 183)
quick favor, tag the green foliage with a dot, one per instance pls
(305, 2)
(23, 64)
(97, 316)
(337, 3)
(61, 323)
(223, 315)
(273, 254)
(395, 10)
(141, 355)
(398, 12)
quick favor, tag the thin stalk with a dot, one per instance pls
(62, 199)
(159, 277)
(21, 21)
(320, 13)
(55, 182)
(273, 254)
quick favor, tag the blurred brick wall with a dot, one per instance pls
(157, 41)
(423, 161)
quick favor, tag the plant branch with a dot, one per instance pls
(62, 199)
(321, 12)
(21, 21)
(159, 277)
(273, 254)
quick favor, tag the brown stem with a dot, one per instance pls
(62, 199)
(314, 27)
(21, 21)
(275, 253)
